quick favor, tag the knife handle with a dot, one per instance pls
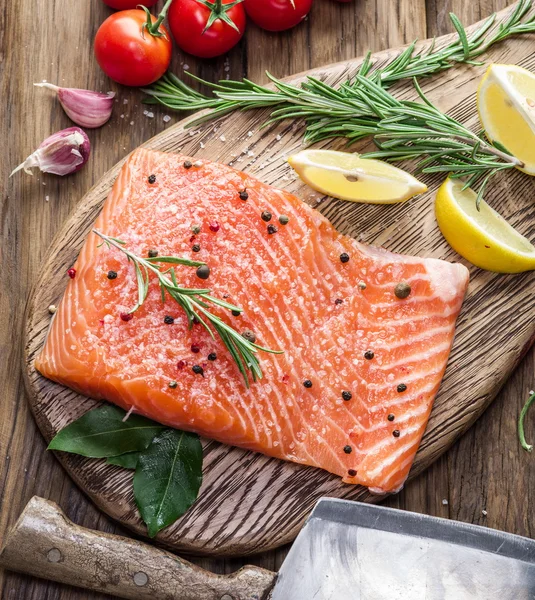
(45, 543)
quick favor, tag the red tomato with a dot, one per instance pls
(128, 53)
(125, 4)
(277, 15)
(189, 18)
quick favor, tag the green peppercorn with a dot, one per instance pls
(284, 220)
(402, 290)
(196, 229)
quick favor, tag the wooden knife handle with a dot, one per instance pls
(46, 544)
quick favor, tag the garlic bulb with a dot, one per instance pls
(61, 153)
(86, 108)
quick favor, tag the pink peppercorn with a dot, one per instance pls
(126, 316)
(181, 364)
(214, 226)
(71, 273)
(195, 348)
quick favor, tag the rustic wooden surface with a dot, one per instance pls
(484, 478)
(262, 502)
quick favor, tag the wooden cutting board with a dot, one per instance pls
(248, 502)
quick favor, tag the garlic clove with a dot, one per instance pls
(61, 153)
(85, 107)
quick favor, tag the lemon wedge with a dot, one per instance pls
(349, 177)
(506, 105)
(482, 237)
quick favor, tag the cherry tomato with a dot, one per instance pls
(130, 54)
(125, 4)
(277, 15)
(188, 20)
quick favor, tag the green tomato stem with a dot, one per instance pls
(521, 434)
(154, 28)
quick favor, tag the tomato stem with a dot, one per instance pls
(154, 28)
(218, 10)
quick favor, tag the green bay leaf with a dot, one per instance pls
(101, 432)
(168, 477)
(127, 461)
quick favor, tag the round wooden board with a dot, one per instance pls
(248, 502)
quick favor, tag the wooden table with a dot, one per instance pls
(485, 478)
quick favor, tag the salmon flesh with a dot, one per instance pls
(352, 391)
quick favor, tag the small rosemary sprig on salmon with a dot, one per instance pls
(195, 303)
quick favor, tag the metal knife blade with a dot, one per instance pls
(353, 551)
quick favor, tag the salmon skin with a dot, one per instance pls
(361, 367)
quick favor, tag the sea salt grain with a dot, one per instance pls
(445, 502)
(186, 67)
(222, 138)
(166, 118)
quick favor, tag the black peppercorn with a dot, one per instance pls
(368, 355)
(338, 301)
(395, 433)
(153, 253)
(266, 216)
(401, 388)
(348, 449)
(212, 356)
(307, 383)
(112, 274)
(152, 178)
(391, 417)
(196, 229)
(236, 313)
(402, 290)
(283, 220)
(196, 248)
(203, 272)
(249, 336)
(168, 320)
(244, 195)
(344, 257)
(198, 370)
(173, 384)
(187, 164)
(347, 396)
(351, 472)
(271, 229)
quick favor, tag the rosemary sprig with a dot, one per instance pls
(362, 106)
(523, 414)
(194, 302)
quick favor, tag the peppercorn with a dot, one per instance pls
(196, 248)
(112, 274)
(368, 355)
(126, 316)
(344, 257)
(214, 226)
(244, 195)
(347, 395)
(284, 220)
(338, 301)
(212, 356)
(401, 387)
(236, 313)
(249, 336)
(348, 449)
(362, 285)
(152, 178)
(173, 384)
(71, 273)
(307, 383)
(271, 229)
(196, 229)
(402, 290)
(187, 164)
(198, 370)
(395, 433)
(203, 272)
(351, 472)
(168, 320)
(181, 364)
(391, 417)
(195, 348)
(266, 216)
(153, 253)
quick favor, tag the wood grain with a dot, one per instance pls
(483, 479)
(250, 503)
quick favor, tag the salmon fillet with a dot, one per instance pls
(340, 324)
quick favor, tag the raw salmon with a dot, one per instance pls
(361, 366)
